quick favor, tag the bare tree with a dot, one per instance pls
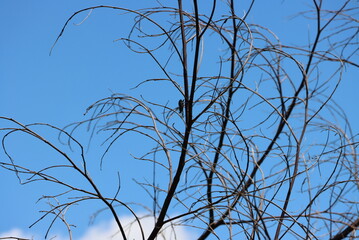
(252, 147)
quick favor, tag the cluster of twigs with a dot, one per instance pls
(252, 150)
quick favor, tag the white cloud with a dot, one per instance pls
(109, 231)
(16, 233)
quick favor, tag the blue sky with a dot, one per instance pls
(85, 65)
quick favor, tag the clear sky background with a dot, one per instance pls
(87, 65)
